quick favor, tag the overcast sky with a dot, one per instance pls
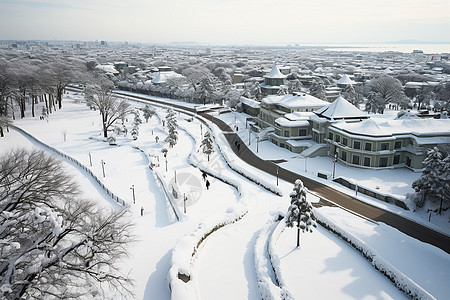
(226, 21)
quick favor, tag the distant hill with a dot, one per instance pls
(417, 42)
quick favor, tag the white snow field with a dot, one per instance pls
(223, 266)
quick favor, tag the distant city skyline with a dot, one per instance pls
(225, 22)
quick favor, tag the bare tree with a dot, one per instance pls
(53, 244)
(100, 96)
(5, 122)
(63, 73)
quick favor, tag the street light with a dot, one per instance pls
(249, 137)
(90, 159)
(257, 144)
(103, 167)
(184, 201)
(165, 156)
(277, 174)
(334, 162)
(134, 198)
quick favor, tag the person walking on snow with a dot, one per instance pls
(207, 184)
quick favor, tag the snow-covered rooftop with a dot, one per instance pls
(275, 73)
(341, 109)
(162, 77)
(418, 127)
(289, 123)
(345, 79)
(250, 102)
(295, 101)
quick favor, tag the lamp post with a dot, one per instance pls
(249, 137)
(90, 159)
(277, 174)
(306, 159)
(134, 197)
(165, 156)
(103, 167)
(184, 201)
(334, 162)
(257, 144)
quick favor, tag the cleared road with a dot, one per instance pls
(406, 226)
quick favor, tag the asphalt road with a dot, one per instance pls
(404, 225)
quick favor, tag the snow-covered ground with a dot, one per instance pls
(223, 266)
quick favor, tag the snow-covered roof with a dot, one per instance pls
(299, 116)
(288, 123)
(345, 79)
(428, 130)
(300, 143)
(107, 69)
(275, 73)
(162, 77)
(295, 101)
(250, 102)
(341, 109)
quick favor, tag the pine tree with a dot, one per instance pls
(433, 184)
(137, 118)
(148, 112)
(172, 125)
(206, 144)
(300, 211)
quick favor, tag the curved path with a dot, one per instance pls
(406, 226)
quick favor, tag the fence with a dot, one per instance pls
(71, 159)
(371, 193)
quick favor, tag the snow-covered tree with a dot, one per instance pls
(352, 95)
(206, 89)
(137, 118)
(300, 211)
(171, 122)
(100, 96)
(434, 183)
(384, 90)
(294, 86)
(148, 112)
(112, 140)
(207, 144)
(53, 244)
(317, 90)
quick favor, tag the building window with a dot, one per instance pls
(397, 144)
(344, 156)
(338, 138)
(384, 146)
(330, 136)
(368, 147)
(357, 145)
(367, 161)
(345, 141)
(355, 160)
(302, 132)
(286, 133)
(383, 161)
(396, 159)
(282, 145)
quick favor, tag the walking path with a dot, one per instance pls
(406, 226)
